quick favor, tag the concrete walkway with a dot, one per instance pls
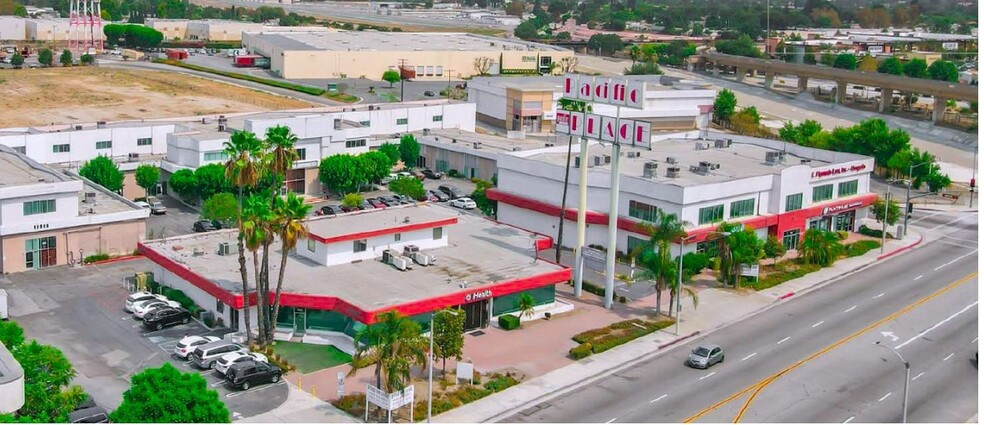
(718, 308)
(301, 407)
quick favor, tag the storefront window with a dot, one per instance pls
(742, 208)
(507, 303)
(790, 239)
(711, 214)
(635, 245)
(642, 211)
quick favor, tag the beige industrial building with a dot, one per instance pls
(15, 28)
(422, 56)
(215, 29)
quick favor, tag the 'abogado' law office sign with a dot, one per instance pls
(617, 92)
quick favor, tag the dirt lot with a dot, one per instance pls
(62, 96)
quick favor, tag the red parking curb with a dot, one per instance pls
(898, 250)
(695, 333)
(116, 259)
(787, 295)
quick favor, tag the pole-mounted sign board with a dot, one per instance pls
(622, 131)
(611, 91)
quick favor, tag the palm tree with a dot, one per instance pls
(255, 227)
(525, 305)
(280, 144)
(654, 256)
(243, 150)
(289, 213)
(818, 247)
(394, 341)
(741, 245)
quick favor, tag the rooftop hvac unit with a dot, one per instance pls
(549, 144)
(392, 256)
(516, 149)
(78, 126)
(226, 248)
(477, 145)
(722, 143)
(205, 120)
(805, 161)
(775, 157)
(133, 156)
(598, 160)
(427, 131)
(672, 172)
(649, 170)
(671, 160)
(699, 169)
(338, 124)
(222, 127)
(633, 154)
(100, 124)
(702, 146)
(90, 197)
(608, 159)
(709, 165)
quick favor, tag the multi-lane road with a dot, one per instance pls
(813, 358)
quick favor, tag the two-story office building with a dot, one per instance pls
(50, 218)
(777, 188)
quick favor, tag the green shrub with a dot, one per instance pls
(592, 288)
(860, 248)
(453, 173)
(581, 351)
(363, 361)
(715, 263)
(842, 234)
(11, 334)
(353, 404)
(499, 382)
(96, 257)
(508, 322)
(695, 262)
(867, 231)
(622, 299)
(790, 270)
(176, 295)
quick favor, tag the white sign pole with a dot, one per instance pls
(582, 215)
(612, 231)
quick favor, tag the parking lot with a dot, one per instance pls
(178, 221)
(80, 311)
(465, 185)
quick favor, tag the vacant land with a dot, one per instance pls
(47, 96)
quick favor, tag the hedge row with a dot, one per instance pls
(314, 91)
(603, 339)
(176, 295)
(463, 395)
(786, 270)
(860, 248)
(96, 257)
(508, 322)
(867, 231)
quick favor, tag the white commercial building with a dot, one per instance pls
(529, 104)
(13, 28)
(216, 29)
(776, 188)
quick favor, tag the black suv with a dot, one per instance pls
(452, 192)
(204, 226)
(441, 196)
(431, 174)
(167, 316)
(246, 374)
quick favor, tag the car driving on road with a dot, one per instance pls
(705, 356)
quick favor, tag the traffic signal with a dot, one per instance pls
(909, 208)
(972, 184)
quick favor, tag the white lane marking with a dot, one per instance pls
(707, 376)
(878, 296)
(611, 420)
(657, 398)
(973, 241)
(848, 419)
(749, 356)
(950, 222)
(783, 340)
(817, 324)
(260, 388)
(918, 277)
(917, 376)
(923, 218)
(956, 259)
(975, 340)
(948, 357)
(920, 335)
(884, 397)
(851, 309)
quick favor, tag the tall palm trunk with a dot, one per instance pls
(660, 284)
(256, 277)
(242, 271)
(280, 283)
(563, 202)
(268, 332)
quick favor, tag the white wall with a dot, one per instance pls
(489, 100)
(13, 28)
(342, 252)
(39, 146)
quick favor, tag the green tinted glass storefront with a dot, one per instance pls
(507, 303)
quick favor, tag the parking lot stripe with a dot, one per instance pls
(254, 389)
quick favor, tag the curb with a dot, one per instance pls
(787, 295)
(898, 250)
(691, 335)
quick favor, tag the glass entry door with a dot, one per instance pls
(300, 320)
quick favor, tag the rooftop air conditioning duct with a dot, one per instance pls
(477, 145)
(100, 124)
(672, 172)
(702, 146)
(722, 143)
(671, 160)
(649, 170)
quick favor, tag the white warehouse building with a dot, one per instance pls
(776, 188)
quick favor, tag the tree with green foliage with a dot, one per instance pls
(103, 171)
(868, 64)
(643, 68)
(375, 164)
(48, 393)
(391, 76)
(846, 61)
(819, 247)
(184, 183)
(289, 214)
(774, 248)
(915, 68)
(449, 335)
(133, 35)
(17, 60)
(393, 342)
(392, 151)
(724, 105)
(341, 173)
(741, 246)
(943, 71)
(212, 179)
(525, 305)
(878, 211)
(167, 395)
(743, 46)
(527, 30)
(46, 57)
(799, 134)
(87, 59)
(11, 334)
(488, 206)
(654, 256)
(352, 200)
(870, 137)
(891, 65)
(605, 44)
(222, 207)
(408, 186)
(147, 177)
(65, 58)
(409, 150)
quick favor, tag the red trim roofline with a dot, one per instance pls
(387, 231)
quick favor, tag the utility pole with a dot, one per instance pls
(973, 179)
(403, 63)
(449, 83)
(888, 200)
(908, 189)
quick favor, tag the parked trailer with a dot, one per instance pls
(130, 54)
(177, 54)
(249, 61)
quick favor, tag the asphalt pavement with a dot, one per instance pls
(825, 340)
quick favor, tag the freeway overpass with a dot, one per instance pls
(941, 91)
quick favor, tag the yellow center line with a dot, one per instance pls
(760, 385)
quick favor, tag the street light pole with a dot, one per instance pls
(908, 189)
(905, 388)
(888, 199)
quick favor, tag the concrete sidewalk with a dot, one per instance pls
(718, 307)
(301, 407)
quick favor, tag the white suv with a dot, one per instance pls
(138, 297)
(228, 360)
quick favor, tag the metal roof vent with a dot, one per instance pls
(672, 172)
(649, 170)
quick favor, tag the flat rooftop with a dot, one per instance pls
(464, 141)
(376, 221)
(741, 160)
(479, 252)
(556, 82)
(372, 41)
(17, 170)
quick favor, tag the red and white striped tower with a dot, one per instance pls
(85, 26)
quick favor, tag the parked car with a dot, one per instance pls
(139, 305)
(431, 174)
(328, 210)
(403, 199)
(206, 355)
(143, 205)
(366, 205)
(248, 374)
(389, 201)
(417, 174)
(441, 196)
(228, 360)
(429, 196)
(346, 208)
(203, 226)
(138, 297)
(188, 344)
(167, 316)
(156, 206)
(376, 203)
(88, 412)
(451, 191)
(463, 203)
(386, 180)
(705, 356)
(428, 93)
(142, 310)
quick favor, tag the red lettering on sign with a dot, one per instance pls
(618, 92)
